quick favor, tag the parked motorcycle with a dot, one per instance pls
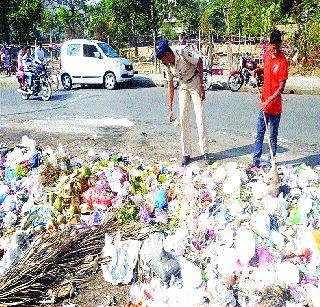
(248, 74)
(41, 85)
(207, 79)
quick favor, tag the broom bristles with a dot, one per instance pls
(57, 257)
(274, 179)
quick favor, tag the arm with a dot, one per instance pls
(170, 98)
(200, 69)
(276, 94)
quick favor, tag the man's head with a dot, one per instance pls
(27, 49)
(275, 41)
(184, 36)
(164, 53)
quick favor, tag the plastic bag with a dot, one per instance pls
(152, 248)
(124, 259)
(190, 274)
(265, 258)
(288, 273)
(245, 245)
(160, 200)
(165, 267)
(4, 190)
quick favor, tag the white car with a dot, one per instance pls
(92, 62)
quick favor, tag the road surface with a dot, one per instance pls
(133, 119)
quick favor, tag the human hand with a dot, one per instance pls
(202, 93)
(170, 116)
(264, 104)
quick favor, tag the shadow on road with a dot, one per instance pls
(60, 97)
(312, 160)
(33, 111)
(237, 152)
(138, 82)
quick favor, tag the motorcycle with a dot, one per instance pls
(249, 74)
(207, 79)
(40, 85)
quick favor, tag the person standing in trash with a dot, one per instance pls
(275, 74)
(188, 67)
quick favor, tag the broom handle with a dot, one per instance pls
(267, 129)
(268, 134)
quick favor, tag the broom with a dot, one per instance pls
(59, 256)
(273, 174)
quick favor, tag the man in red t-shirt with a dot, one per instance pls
(275, 74)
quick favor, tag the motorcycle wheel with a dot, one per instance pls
(259, 81)
(46, 91)
(25, 96)
(207, 79)
(235, 82)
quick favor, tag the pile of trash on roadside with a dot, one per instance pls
(222, 239)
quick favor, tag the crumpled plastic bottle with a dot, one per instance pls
(160, 199)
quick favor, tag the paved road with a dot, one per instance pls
(134, 120)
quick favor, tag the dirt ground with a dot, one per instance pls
(97, 292)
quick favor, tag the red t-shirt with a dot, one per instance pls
(275, 70)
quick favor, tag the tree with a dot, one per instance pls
(23, 19)
(74, 17)
(307, 14)
(4, 20)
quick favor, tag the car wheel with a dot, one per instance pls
(110, 81)
(66, 82)
(46, 91)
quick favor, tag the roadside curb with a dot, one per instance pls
(295, 84)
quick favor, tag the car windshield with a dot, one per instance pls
(108, 51)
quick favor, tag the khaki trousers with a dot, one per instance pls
(190, 92)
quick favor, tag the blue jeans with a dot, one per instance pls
(29, 78)
(273, 120)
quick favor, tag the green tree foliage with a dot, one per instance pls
(74, 17)
(4, 20)
(306, 14)
(20, 20)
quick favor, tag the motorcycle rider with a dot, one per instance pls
(20, 70)
(40, 58)
(28, 65)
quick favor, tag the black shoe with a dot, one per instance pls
(185, 161)
(207, 159)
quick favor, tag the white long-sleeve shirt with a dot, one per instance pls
(39, 55)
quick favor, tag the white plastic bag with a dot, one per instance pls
(245, 245)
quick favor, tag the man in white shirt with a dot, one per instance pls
(188, 66)
(40, 55)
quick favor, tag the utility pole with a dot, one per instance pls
(154, 32)
(51, 45)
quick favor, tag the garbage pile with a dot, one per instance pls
(222, 238)
(229, 242)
